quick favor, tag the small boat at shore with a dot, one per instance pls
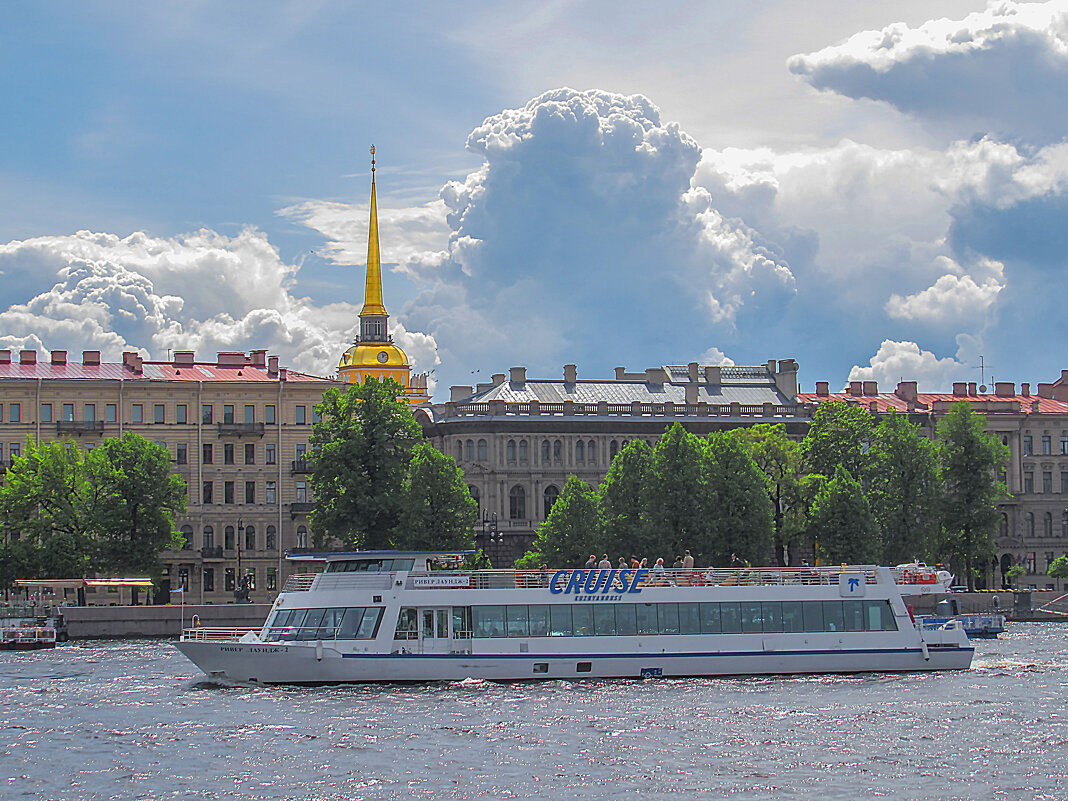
(387, 616)
(27, 635)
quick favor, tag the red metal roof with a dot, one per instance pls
(1016, 404)
(152, 371)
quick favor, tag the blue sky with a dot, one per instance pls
(875, 190)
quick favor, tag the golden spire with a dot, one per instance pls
(372, 298)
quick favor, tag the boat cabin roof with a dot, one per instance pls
(382, 561)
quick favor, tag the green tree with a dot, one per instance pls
(904, 489)
(839, 435)
(971, 459)
(738, 510)
(363, 443)
(842, 522)
(1059, 568)
(1015, 573)
(623, 500)
(573, 530)
(437, 510)
(677, 495)
(779, 458)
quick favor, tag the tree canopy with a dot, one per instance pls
(842, 522)
(436, 508)
(839, 435)
(572, 531)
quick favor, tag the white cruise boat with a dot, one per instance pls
(392, 616)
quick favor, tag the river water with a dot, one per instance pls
(133, 719)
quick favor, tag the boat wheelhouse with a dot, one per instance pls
(421, 616)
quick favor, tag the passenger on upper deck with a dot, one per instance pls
(605, 563)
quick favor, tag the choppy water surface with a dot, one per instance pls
(135, 720)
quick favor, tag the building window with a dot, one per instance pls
(272, 579)
(209, 537)
(1047, 482)
(15, 451)
(181, 412)
(1064, 444)
(228, 538)
(301, 415)
(316, 417)
(302, 451)
(1028, 446)
(89, 412)
(207, 456)
(459, 451)
(209, 579)
(15, 413)
(159, 413)
(209, 491)
(550, 496)
(138, 413)
(250, 538)
(1064, 523)
(187, 538)
(271, 539)
(302, 492)
(268, 414)
(180, 454)
(302, 537)
(524, 454)
(250, 413)
(228, 453)
(269, 454)
(46, 412)
(1029, 524)
(545, 452)
(269, 492)
(250, 578)
(228, 492)
(1064, 481)
(517, 503)
(470, 450)
(207, 414)
(1047, 525)
(1047, 445)
(250, 492)
(1029, 482)
(580, 451)
(250, 453)
(483, 451)
(558, 450)
(228, 413)
(473, 491)
(509, 450)
(591, 452)
(1, 412)
(68, 413)
(231, 582)
(111, 412)
(183, 578)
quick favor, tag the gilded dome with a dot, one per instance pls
(374, 354)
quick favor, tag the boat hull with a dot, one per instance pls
(274, 663)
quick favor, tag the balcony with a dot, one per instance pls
(302, 466)
(79, 427)
(211, 553)
(240, 429)
(300, 508)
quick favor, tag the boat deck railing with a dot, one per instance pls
(215, 634)
(28, 634)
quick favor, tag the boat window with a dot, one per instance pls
(309, 629)
(771, 612)
(443, 623)
(350, 623)
(730, 617)
(689, 619)
(669, 618)
(292, 630)
(792, 616)
(813, 611)
(879, 616)
(428, 624)
(488, 621)
(583, 620)
(560, 621)
(277, 621)
(330, 624)
(752, 623)
(461, 622)
(710, 618)
(539, 620)
(369, 625)
(407, 624)
(647, 623)
(604, 620)
(854, 615)
(833, 619)
(518, 624)
(626, 619)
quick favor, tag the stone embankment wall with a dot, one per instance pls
(1032, 605)
(106, 622)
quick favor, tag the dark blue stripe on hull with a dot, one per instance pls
(649, 657)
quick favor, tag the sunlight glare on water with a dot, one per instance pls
(135, 720)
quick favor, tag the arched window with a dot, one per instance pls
(545, 450)
(187, 534)
(250, 538)
(591, 452)
(470, 450)
(272, 538)
(228, 538)
(483, 451)
(580, 451)
(1004, 525)
(517, 503)
(1047, 527)
(302, 537)
(475, 495)
(209, 537)
(558, 450)
(613, 449)
(509, 450)
(1029, 524)
(459, 450)
(550, 496)
(524, 454)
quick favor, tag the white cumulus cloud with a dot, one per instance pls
(906, 361)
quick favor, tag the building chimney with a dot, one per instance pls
(458, 392)
(184, 358)
(498, 379)
(1004, 389)
(1025, 389)
(27, 357)
(691, 394)
(873, 407)
(59, 357)
(5, 356)
(973, 388)
(871, 388)
(694, 375)
(960, 388)
(621, 373)
(231, 359)
(91, 357)
(823, 388)
(517, 375)
(856, 388)
(906, 390)
(714, 375)
(772, 366)
(257, 358)
(1035, 406)
(272, 366)
(570, 373)
(283, 374)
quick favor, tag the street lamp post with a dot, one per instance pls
(240, 586)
